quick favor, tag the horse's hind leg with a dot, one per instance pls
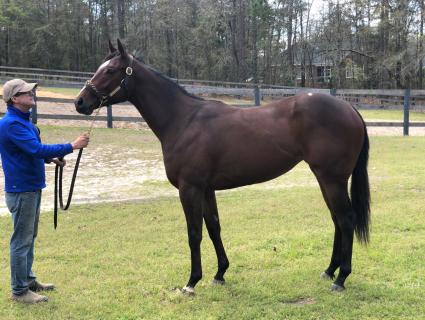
(329, 273)
(336, 195)
(213, 226)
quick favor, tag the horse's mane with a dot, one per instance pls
(159, 74)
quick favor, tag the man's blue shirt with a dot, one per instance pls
(23, 154)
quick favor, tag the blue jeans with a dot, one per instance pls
(25, 210)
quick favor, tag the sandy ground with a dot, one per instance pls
(392, 131)
(105, 177)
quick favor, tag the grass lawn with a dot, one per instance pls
(124, 260)
(391, 115)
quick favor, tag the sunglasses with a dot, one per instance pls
(30, 93)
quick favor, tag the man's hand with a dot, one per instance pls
(81, 142)
(59, 162)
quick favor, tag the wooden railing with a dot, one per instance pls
(371, 99)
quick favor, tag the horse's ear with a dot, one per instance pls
(111, 47)
(121, 48)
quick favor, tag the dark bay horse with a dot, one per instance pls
(208, 146)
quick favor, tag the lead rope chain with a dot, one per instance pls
(59, 175)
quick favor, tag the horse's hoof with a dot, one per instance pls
(188, 290)
(325, 276)
(218, 282)
(337, 288)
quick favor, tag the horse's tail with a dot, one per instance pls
(360, 192)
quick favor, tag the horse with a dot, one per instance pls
(208, 145)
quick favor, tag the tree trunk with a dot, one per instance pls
(290, 54)
(254, 48)
(121, 18)
(169, 44)
(302, 57)
(421, 47)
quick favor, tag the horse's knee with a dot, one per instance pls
(195, 238)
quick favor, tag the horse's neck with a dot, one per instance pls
(162, 106)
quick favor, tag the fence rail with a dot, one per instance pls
(140, 119)
(110, 118)
(405, 100)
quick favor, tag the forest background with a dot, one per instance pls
(317, 43)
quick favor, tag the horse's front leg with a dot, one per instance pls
(191, 198)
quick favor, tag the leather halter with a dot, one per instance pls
(103, 98)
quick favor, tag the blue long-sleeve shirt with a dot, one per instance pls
(23, 154)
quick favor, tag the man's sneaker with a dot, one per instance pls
(38, 286)
(29, 297)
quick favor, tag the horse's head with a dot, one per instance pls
(110, 83)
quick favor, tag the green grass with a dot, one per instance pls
(123, 260)
(391, 115)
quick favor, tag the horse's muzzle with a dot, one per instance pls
(82, 108)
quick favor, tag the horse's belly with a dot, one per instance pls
(242, 174)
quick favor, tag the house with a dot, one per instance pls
(322, 71)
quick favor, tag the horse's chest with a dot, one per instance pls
(173, 168)
(188, 167)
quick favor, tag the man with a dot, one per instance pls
(23, 157)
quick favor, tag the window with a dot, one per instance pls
(349, 71)
(324, 73)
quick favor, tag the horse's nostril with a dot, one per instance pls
(79, 102)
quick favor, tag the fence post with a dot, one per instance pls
(34, 111)
(406, 112)
(257, 95)
(109, 116)
(332, 92)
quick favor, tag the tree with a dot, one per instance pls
(274, 41)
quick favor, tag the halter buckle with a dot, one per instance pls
(129, 71)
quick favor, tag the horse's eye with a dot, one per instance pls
(109, 71)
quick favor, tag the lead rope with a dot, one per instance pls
(58, 180)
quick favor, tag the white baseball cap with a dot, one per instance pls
(12, 87)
